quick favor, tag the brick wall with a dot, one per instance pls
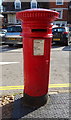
(53, 5)
(64, 7)
(24, 5)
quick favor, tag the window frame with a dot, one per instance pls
(35, 1)
(61, 15)
(19, 2)
(59, 4)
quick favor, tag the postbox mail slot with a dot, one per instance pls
(39, 30)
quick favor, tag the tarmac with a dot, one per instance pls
(57, 107)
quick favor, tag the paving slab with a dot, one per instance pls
(57, 106)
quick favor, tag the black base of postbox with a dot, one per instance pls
(34, 101)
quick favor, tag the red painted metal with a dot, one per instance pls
(36, 24)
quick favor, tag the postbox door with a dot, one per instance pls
(36, 65)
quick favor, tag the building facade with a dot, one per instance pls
(10, 7)
(69, 13)
(60, 6)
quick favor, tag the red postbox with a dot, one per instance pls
(37, 37)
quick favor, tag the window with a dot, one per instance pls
(69, 28)
(33, 4)
(4, 9)
(58, 30)
(17, 4)
(18, 21)
(60, 13)
(63, 25)
(58, 24)
(59, 2)
(14, 29)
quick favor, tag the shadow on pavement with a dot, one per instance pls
(67, 48)
(7, 48)
(15, 110)
(20, 110)
(56, 107)
(56, 46)
(63, 48)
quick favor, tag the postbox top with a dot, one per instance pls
(37, 14)
(38, 9)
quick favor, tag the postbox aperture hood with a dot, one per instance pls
(37, 14)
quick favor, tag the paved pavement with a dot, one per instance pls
(58, 104)
(56, 107)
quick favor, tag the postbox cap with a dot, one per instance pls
(37, 14)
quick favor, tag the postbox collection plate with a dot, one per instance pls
(38, 47)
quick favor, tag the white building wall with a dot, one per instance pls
(11, 18)
(60, 23)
